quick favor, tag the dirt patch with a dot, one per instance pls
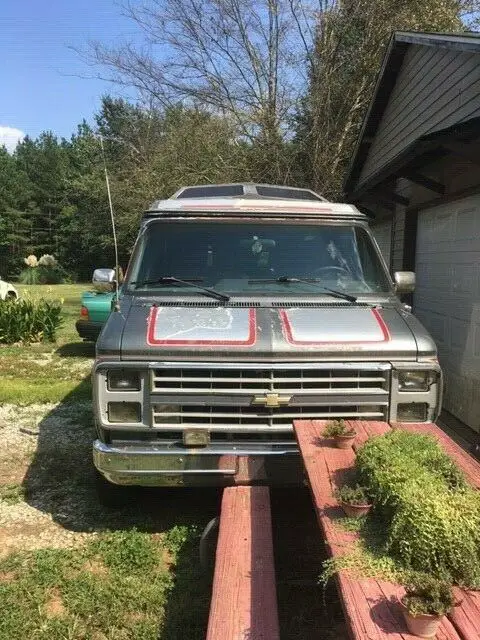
(54, 607)
(96, 567)
(7, 576)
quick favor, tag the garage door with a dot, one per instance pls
(383, 236)
(447, 298)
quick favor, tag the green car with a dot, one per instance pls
(96, 307)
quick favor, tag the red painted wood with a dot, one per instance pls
(466, 616)
(370, 606)
(366, 429)
(469, 465)
(244, 601)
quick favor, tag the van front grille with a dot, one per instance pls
(228, 399)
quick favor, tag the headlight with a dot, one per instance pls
(123, 380)
(415, 380)
(124, 412)
(412, 412)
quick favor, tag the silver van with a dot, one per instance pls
(246, 307)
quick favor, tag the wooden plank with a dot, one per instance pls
(466, 616)
(469, 466)
(244, 601)
(367, 428)
(370, 606)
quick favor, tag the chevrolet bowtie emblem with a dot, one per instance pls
(271, 400)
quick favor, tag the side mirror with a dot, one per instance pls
(404, 281)
(103, 279)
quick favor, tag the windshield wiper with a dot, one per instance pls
(189, 283)
(312, 281)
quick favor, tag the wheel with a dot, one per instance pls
(111, 495)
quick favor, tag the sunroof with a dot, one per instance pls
(213, 191)
(286, 193)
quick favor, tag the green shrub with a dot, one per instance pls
(29, 321)
(356, 495)
(337, 428)
(46, 270)
(431, 516)
(427, 595)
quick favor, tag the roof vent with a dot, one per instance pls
(247, 190)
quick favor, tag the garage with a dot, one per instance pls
(447, 298)
(416, 173)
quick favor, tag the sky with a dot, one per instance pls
(41, 83)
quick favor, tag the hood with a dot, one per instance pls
(326, 331)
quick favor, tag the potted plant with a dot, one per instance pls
(343, 435)
(355, 501)
(424, 604)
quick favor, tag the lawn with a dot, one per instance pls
(70, 568)
(48, 372)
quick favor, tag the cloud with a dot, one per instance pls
(9, 136)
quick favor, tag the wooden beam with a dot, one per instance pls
(463, 151)
(393, 197)
(423, 181)
(244, 601)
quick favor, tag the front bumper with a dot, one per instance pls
(88, 330)
(156, 466)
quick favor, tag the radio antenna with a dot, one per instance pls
(117, 266)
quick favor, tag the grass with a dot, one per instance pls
(117, 586)
(116, 582)
(41, 373)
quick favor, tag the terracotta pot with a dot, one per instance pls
(423, 625)
(356, 510)
(344, 442)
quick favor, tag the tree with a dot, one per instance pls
(15, 190)
(239, 59)
(351, 40)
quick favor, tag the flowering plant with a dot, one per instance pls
(31, 261)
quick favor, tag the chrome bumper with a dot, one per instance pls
(179, 466)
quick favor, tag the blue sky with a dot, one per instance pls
(40, 83)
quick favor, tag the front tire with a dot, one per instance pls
(110, 495)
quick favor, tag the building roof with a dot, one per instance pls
(387, 77)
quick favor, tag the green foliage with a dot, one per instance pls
(30, 275)
(29, 321)
(43, 271)
(431, 517)
(338, 428)
(102, 590)
(131, 548)
(428, 595)
(176, 538)
(356, 495)
(11, 493)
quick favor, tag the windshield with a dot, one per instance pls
(248, 258)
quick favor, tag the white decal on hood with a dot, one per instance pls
(197, 326)
(341, 326)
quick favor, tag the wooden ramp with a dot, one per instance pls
(244, 601)
(371, 606)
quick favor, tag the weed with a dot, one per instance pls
(12, 493)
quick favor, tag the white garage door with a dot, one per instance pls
(383, 236)
(447, 298)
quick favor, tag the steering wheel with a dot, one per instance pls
(332, 268)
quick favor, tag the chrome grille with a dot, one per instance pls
(241, 381)
(224, 397)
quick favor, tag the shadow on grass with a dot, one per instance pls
(76, 350)
(60, 481)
